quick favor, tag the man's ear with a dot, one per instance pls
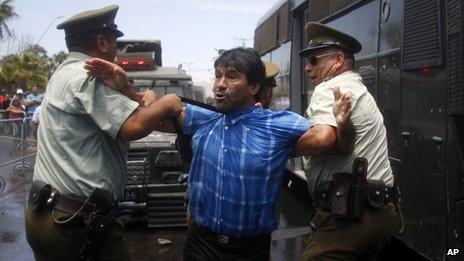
(340, 60)
(255, 88)
(102, 43)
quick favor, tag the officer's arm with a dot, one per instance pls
(324, 138)
(146, 119)
(152, 114)
(346, 137)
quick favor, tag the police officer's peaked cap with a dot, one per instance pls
(322, 36)
(91, 21)
(271, 72)
(271, 69)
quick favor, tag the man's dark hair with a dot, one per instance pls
(85, 41)
(244, 60)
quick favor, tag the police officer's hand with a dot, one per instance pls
(341, 107)
(148, 97)
(109, 73)
(172, 103)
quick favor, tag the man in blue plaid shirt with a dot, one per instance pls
(239, 156)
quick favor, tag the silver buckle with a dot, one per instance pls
(223, 239)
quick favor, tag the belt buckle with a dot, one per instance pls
(223, 239)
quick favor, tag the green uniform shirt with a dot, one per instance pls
(78, 148)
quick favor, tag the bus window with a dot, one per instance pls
(355, 24)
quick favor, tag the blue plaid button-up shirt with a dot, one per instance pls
(237, 167)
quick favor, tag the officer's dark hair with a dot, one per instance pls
(349, 57)
(244, 60)
(84, 41)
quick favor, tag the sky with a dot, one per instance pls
(190, 31)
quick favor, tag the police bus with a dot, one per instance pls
(412, 63)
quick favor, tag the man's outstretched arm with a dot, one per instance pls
(323, 138)
(152, 114)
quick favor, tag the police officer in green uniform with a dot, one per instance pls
(83, 139)
(354, 214)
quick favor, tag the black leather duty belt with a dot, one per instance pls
(53, 199)
(377, 195)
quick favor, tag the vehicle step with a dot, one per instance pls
(166, 222)
(174, 195)
(178, 202)
(166, 215)
(176, 208)
(155, 225)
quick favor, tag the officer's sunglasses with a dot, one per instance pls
(315, 59)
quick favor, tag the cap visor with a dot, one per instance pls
(118, 33)
(307, 51)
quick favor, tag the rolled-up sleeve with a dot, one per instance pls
(109, 109)
(320, 109)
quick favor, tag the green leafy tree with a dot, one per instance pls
(37, 49)
(59, 58)
(24, 70)
(6, 13)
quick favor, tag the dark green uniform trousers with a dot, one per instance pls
(51, 241)
(343, 239)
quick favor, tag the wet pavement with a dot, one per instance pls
(14, 185)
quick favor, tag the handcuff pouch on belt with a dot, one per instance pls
(39, 195)
(349, 191)
(376, 193)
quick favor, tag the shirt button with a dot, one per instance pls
(225, 150)
(226, 127)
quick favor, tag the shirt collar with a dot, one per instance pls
(78, 56)
(344, 75)
(237, 115)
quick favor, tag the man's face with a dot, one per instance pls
(319, 65)
(35, 90)
(232, 91)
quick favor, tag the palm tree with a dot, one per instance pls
(6, 13)
(25, 69)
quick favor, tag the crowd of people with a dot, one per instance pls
(18, 105)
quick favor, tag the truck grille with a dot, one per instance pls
(165, 205)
